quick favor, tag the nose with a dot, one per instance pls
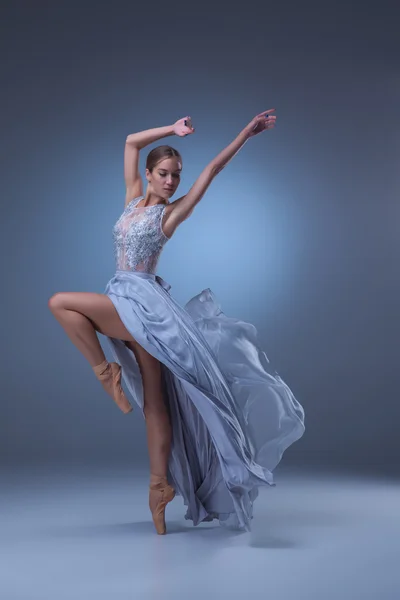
(169, 180)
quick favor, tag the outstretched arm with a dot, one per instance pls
(135, 142)
(183, 207)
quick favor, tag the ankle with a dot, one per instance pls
(158, 480)
(99, 369)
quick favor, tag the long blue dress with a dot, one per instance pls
(232, 415)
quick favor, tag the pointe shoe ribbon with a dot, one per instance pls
(160, 489)
(109, 374)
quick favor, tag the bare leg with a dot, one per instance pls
(81, 314)
(159, 434)
(158, 424)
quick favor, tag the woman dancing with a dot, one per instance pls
(218, 418)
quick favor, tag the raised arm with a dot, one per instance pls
(182, 208)
(135, 142)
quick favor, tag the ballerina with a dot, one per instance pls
(218, 417)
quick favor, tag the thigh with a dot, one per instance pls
(98, 308)
(151, 372)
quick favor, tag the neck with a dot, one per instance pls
(151, 198)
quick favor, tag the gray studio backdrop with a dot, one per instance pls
(298, 235)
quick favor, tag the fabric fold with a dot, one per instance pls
(232, 416)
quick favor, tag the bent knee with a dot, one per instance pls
(56, 302)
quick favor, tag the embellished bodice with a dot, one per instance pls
(138, 237)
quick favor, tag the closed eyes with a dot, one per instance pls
(164, 174)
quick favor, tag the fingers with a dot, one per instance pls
(266, 122)
(270, 122)
(266, 112)
(188, 123)
(266, 118)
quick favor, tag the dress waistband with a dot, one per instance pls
(153, 276)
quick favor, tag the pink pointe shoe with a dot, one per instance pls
(160, 494)
(109, 374)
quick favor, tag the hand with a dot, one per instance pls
(183, 127)
(261, 122)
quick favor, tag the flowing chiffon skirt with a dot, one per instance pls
(232, 416)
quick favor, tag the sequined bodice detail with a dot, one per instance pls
(138, 237)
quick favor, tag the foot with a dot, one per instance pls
(109, 374)
(160, 494)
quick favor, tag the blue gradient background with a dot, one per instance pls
(298, 235)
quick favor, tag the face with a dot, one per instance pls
(165, 177)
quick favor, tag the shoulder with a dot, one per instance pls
(131, 202)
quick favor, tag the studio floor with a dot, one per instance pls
(86, 533)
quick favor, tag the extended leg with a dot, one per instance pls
(158, 424)
(159, 434)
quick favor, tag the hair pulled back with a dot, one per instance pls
(160, 153)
